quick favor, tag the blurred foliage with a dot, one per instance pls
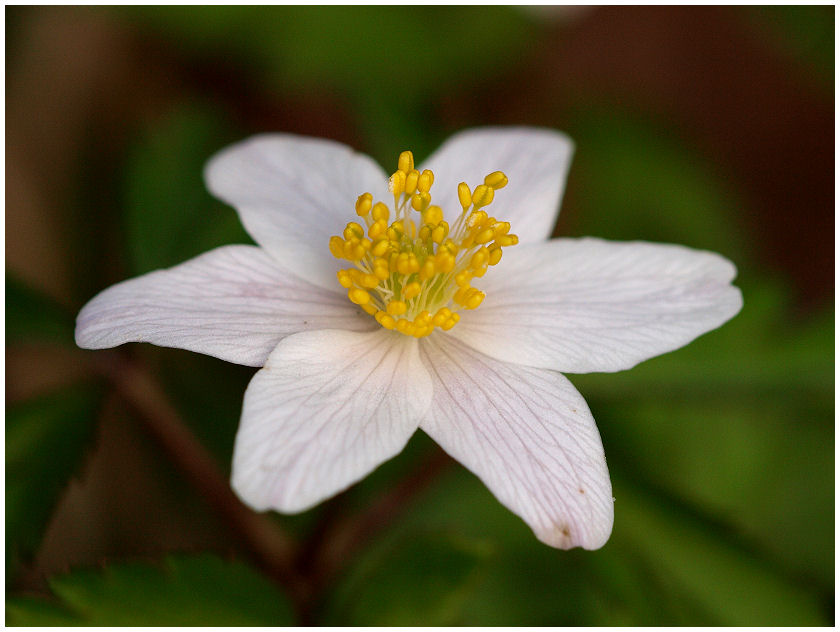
(425, 579)
(46, 438)
(638, 182)
(31, 316)
(805, 33)
(183, 591)
(721, 453)
(169, 214)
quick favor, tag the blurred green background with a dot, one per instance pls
(710, 127)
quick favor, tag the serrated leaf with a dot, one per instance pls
(202, 590)
(46, 440)
(32, 316)
(425, 579)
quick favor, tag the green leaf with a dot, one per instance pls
(741, 429)
(170, 216)
(382, 51)
(627, 582)
(636, 182)
(806, 33)
(46, 439)
(211, 413)
(425, 579)
(32, 316)
(762, 466)
(196, 591)
(761, 349)
(722, 579)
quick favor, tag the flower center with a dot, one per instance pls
(410, 274)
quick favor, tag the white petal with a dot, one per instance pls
(235, 303)
(584, 305)
(535, 161)
(328, 407)
(528, 435)
(293, 193)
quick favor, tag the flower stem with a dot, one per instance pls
(270, 547)
(334, 546)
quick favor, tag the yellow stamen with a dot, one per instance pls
(408, 273)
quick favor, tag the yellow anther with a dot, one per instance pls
(508, 240)
(408, 273)
(476, 219)
(427, 270)
(396, 184)
(433, 215)
(464, 195)
(358, 296)
(425, 181)
(444, 262)
(474, 299)
(380, 212)
(411, 181)
(501, 228)
(381, 269)
(337, 247)
(380, 247)
(495, 255)
(480, 258)
(440, 232)
(407, 263)
(377, 228)
(405, 162)
(411, 290)
(344, 279)
(484, 236)
(395, 231)
(419, 201)
(461, 295)
(363, 204)
(384, 319)
(441, 316)
(449, 246)
(482, 196)
(353, 230)
(396, 308)
(496, 180)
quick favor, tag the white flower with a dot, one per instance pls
(345, 383)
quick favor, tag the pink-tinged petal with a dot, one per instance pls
(528, 435)
(586, 305)
(328, 407)
(235, 303)
(293, 193)
(535, 161)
